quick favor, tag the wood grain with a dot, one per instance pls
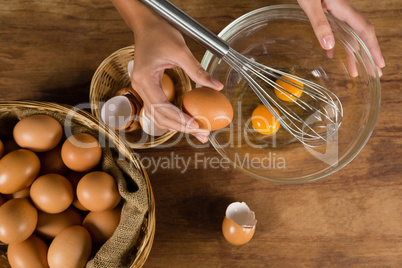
(49, 51)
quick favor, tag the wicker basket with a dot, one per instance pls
(111, 76)
(144, 242)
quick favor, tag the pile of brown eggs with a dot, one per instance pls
(55, 203)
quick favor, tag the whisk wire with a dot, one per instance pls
(322, 106)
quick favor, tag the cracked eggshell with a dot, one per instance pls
(118, 112)
(149, 127)
(238, 226)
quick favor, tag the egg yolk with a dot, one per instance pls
(263, 121)
(291, 85)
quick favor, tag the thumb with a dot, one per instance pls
(197, 73)
(319, 23)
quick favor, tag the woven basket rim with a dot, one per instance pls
(145, 247)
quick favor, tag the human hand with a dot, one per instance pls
(159, 46)
(346, 12)
(163, 47)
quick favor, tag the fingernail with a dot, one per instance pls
(130, 68)
(328, 42)
(193, 125)
(379, 71)
(216, 82)
(382, 63)
(202, 139)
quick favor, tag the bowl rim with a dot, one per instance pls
(373, 113)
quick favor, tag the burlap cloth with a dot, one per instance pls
(120, 249)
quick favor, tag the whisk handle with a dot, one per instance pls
(188, 25)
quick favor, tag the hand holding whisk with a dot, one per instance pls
(323, 112)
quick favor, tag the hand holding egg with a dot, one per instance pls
(151, 58)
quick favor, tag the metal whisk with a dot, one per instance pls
(322, 110)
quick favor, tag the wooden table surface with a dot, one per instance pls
(50, 49)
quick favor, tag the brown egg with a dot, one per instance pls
(2, 200)
(97, 191)
(238, 226)
(74, 177)
(236, 234)
(38, 133)
(210, 108)
(70, 248)
(18, 169)
(51, 162)
(24, 193)
(30, 253)
(50, 225)
(52, 193)
(168, 87)
(18, 219)
(102, 224)
(2, 149)
(81, 152)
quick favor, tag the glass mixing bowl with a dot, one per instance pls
(282, 37)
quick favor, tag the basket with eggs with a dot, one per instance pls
(72, 194)
(118, 105)
(72, 191)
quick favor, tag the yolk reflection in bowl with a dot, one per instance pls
(291, 85)
(263, 121)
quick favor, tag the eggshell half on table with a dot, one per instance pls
(70, 248)
(30, 253)
(38, 133)
(238, 226)
(18, 169)
(18, 219)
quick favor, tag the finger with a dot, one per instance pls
(162, 113)
(351, 63)
(330, 53)
(319, 22)
(202, 139)
(197, 73)
(168, 116)
(364, 29)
